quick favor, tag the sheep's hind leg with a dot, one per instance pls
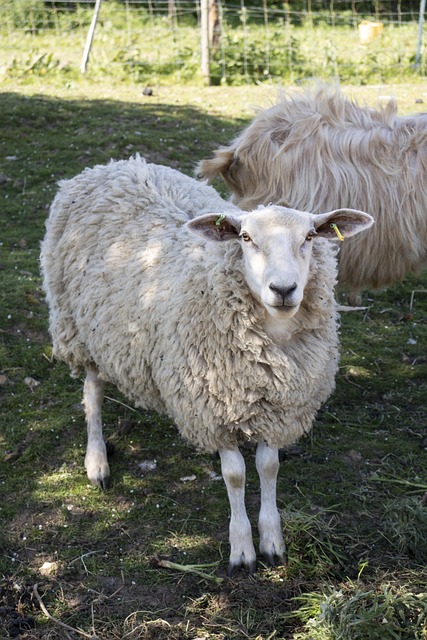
(96, 463)
(272, 545)
(242, 550)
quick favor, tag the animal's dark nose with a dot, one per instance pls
(283, 292)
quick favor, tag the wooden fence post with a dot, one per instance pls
(214, 25)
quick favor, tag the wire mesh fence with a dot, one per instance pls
(159, 40)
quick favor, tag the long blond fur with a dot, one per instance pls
(317, 150)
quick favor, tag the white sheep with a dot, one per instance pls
(221, 319)
(317, 150)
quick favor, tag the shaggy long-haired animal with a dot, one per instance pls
(317, 150)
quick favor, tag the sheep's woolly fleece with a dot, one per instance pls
(167, 317)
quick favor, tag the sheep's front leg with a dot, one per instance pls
(242, 550)
(271, 544)
(96, 463)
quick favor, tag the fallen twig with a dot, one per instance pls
(346, 307)
(85, 555)
(416, 486)
(126, 406)
(191, 568)
(56, 621)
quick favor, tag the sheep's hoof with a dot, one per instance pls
(99, 480)
(275, 560)
(102, 483)
(234, 566)
(274, 553)
(97, 469)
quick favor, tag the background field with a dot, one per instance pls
(352, 495)
(259, 41)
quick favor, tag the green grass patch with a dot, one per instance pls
(353, 613)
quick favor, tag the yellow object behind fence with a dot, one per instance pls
(368, 30)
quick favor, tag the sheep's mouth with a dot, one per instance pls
(283, 310)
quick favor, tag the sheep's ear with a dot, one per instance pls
(210, 168)
(217, 227)
(342, 223)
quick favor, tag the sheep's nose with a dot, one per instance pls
(283, 292)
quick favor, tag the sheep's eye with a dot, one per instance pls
(310, 236)
(246, 237)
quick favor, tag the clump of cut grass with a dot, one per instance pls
(405, 526)
(312, 542)
(137, 627)
(356, 614)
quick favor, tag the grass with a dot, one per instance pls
(352, 495)
(357, 613)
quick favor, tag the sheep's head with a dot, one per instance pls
(277, 246)
(251, 170)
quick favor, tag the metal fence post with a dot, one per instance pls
(89, 38)
(420, 32)
(204, 27)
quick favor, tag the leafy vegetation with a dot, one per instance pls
(140, 42)
(355, 613)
